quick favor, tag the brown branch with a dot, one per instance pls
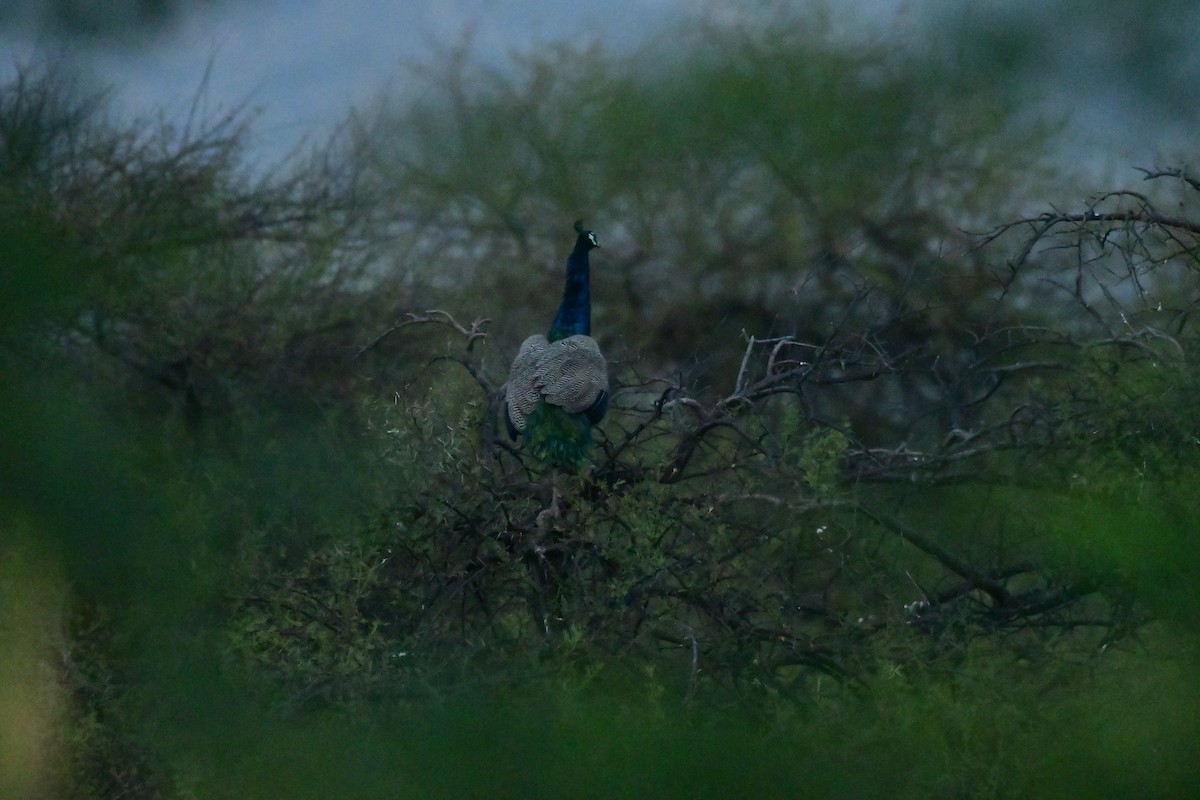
(1181, 174)
(1044, 222)
(437, 317)
(632, 435)
(947, 559)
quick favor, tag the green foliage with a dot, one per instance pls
(1139, 416)
(260, 539)
(755, 178)
(817, 455)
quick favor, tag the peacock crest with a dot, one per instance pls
(558, 384)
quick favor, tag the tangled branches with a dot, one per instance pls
(887, 494)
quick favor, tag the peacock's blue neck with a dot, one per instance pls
(575, 312)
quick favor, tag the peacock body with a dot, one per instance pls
(558, 384)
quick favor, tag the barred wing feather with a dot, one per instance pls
(569, 373)
(522, 393)
(572, 373)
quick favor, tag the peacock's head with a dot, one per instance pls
(587, 239)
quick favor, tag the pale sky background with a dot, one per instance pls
(305, 63)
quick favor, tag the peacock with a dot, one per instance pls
(558, 385)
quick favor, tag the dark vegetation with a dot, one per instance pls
(894, 497)
(80, 20)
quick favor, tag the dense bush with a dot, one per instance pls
(921, 528)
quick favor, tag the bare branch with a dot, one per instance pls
(947, 559)
(1181, 174)
(1043, 223)
(436, 317)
